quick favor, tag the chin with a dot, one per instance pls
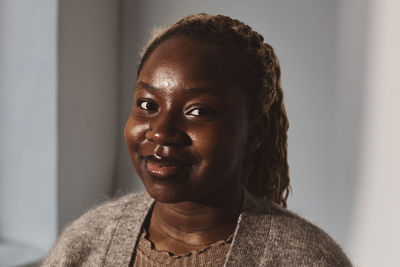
(167, 193)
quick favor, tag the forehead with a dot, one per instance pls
(186, 61)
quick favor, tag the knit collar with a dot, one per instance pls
(255, 213)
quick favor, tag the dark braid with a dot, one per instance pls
(266, 171)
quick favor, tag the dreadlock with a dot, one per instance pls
(266, 171)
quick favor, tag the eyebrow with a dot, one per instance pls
(189, 91)
(143, 85)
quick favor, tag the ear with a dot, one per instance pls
(259, 128)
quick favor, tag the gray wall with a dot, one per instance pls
(28, 122)
(88, 104)
(375, 230)
(58, 118)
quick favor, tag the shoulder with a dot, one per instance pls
(310, 243)
(292, 239)
(87, 238)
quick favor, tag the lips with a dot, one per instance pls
(166, 168)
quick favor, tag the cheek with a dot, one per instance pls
(135, 133)
(220, 148)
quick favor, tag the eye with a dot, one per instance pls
(147, 105)
(194, 112)
(203, 112)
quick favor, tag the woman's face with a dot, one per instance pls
(188, 126)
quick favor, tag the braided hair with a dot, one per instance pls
(265, 171)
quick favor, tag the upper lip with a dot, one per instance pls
(167, 161)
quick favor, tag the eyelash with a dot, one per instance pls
(202, 112)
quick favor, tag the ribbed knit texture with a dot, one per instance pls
(266, 235)
(148, 256)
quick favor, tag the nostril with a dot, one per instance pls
(167, 137)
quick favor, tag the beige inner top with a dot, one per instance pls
(148, 255)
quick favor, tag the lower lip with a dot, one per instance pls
(164, 172)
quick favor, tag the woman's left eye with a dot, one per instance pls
(194, 112)
(199, 112)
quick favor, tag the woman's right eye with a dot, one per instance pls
(147, 105)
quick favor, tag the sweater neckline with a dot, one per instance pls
(129, 225)
(163, 256)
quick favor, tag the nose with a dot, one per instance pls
(165, 130)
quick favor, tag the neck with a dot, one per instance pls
(195, 224)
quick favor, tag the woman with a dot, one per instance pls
(207, 135)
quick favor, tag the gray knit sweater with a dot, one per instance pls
(266, 235)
